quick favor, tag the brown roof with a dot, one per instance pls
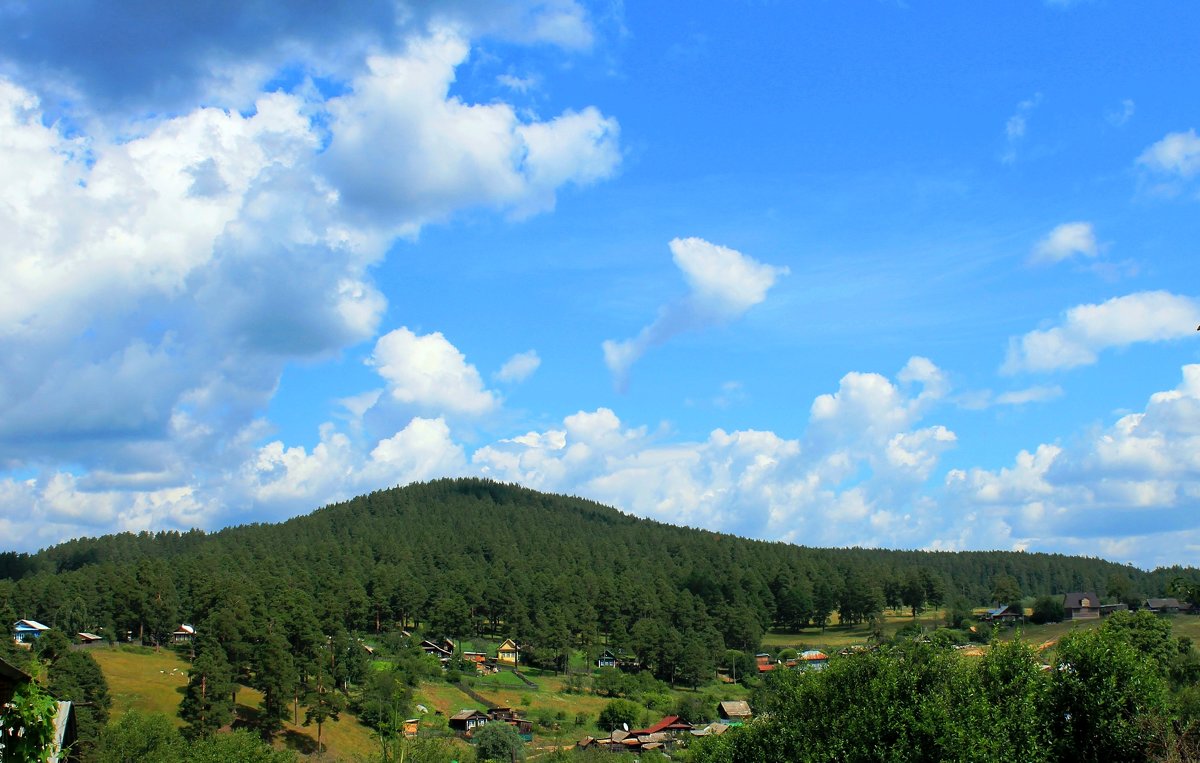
(734, 708)
(1075, 599)
(463, 715)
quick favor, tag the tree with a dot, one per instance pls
(51, 645)
(324, 702)
(1048, 609)
(500, 742)
(618, 713)
(1005, 589)
(207, 703)
(275, 676)
(75, 676)
(912, 593)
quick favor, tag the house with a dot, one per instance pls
(734, 711)
(466, 721)
(670, 724)
(88, 639)
(1004, 614)
(509, 715)
(443, 649)
(712, 729)
(183, 634)
(812, 659)
(1108, 609)
(25, 631)
(1082, 605)
(1164, 606)
(508, 653)
(606, 660)
(763, 660)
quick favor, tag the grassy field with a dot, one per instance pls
(142, 679)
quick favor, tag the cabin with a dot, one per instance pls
(764, 663)
(508, 653)
(27, 631)
(88, 639)
(509, 715)
(1164, 606)
(606, 660)
(466, 721)
(183, 634)
(443, 649)
(1082, 605)
(1006, 614)
(734, 711)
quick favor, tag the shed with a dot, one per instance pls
(734, 710)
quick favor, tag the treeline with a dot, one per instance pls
(470, 557)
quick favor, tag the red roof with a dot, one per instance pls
(669, 723)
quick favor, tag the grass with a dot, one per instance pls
(144, 680)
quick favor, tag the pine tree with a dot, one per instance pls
(207, 702)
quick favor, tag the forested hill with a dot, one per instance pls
(458, 557)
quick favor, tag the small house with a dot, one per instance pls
(670, 724)
(1164, 606)
(508, 653)
(88, 639)
(1006, 614)
(27, 631)
(1082, 605)
(466, 721)
(606, 660)
(764, 663)
(443, 649)
(734, 711)
(812, 659)
(183, 634)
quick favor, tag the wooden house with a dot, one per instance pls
(670, 724)
(27, 631)
(764, 663)
(88, 639)
(466, 721)
(508, 653)
(1164, 606)
(1006, 614)
(606, 660)
(734, 711)
(1082, 605)
(183, 634)
(443, 649)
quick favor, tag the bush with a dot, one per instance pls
(499, 741)
(618, 712)
(1047, 609)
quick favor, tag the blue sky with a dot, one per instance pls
(878, 274)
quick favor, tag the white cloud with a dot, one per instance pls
(1176, 154)
(723, 285)
(1086, 330)
(1035, 394)
(430, 373)
(405, 152)
(519, 367)
(1066, 241)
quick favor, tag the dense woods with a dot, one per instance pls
(463, 557)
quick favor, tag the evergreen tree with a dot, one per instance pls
(207, 703)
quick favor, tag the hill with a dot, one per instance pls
(464, 557)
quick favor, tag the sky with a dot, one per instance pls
(881, 274)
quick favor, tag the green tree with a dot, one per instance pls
(912, 592)
(1005, 589)
(618, 713)
(1048, 609)
(324, 702)
(1101, 696)
(143, 737)
(275, 676)
(499, 742)
(75, 676)
(206, 704)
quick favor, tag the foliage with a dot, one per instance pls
(27, 725)
(75, 676)
(1048, 609)
(207, 702)
(500, 742)
(619, 713)
(151, 738)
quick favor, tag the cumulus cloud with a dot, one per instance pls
(1086, 330)
(430, 373)
(723, 284)
(851, 477)
(157, 274)
(519, 367)
(1176, 154)
(1066, 241)
(1118, 491)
